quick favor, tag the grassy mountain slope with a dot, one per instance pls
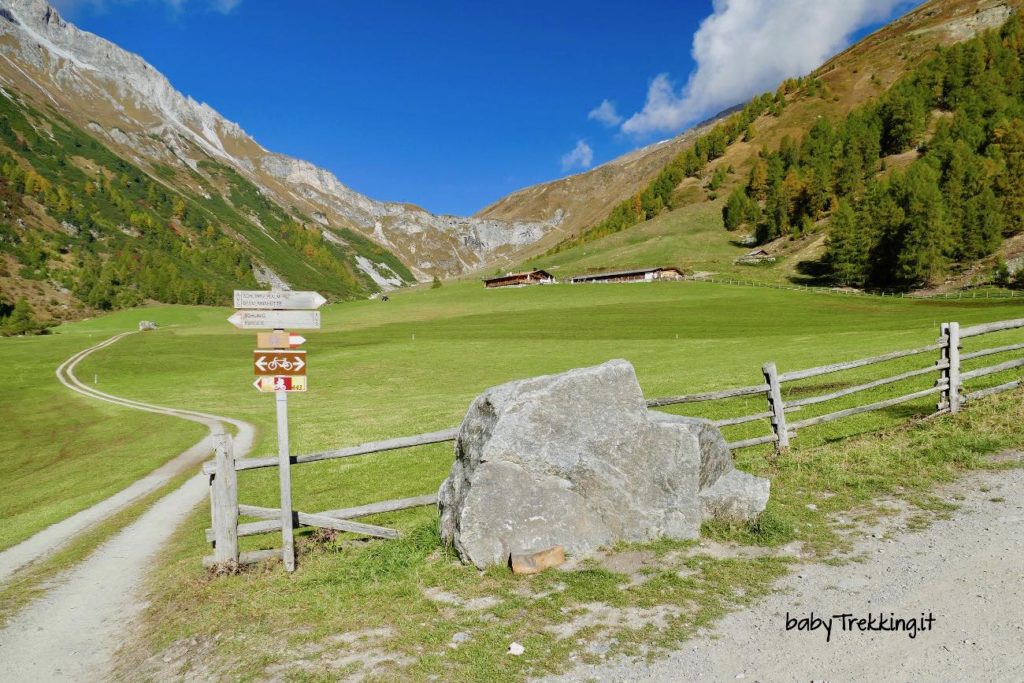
(137, 113)
(82, 228)
(685, 234)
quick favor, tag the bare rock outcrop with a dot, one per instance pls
(577, 460)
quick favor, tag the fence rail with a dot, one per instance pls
(949, 384)
(225, 508)
(958, 295)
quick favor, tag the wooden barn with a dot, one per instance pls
(755, 256)
(641, 275)
(532, 277)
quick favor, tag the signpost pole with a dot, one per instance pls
(285, 471)
(284, 459)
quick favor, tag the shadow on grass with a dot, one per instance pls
(812, 273)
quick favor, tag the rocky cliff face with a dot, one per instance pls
(135, 110)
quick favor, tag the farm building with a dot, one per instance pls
(532, 277)
(642, 275)
(756, 256)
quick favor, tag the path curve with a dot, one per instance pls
(72, 631)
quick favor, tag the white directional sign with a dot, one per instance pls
(278, 299)
(273, 320)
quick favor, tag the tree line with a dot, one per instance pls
(927, 178)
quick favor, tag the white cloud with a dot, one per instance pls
(71, 7)
(580, 156)
(748, 46)
(224, 6)
(605, 113)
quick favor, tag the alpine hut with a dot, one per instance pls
(640, 275)
(531, 277)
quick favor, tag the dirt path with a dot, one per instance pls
(72, 631)
(967, 571)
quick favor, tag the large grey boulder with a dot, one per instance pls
(577, 460)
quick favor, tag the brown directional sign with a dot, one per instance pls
(285, 363)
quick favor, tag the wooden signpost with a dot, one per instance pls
(279, 340)
(275, 320)
(278, 300)
(286, 384)
(281, 370)
(290, 363)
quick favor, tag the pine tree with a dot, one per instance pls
(923, 235)
(848, 247)
(757, 185)
(1009, 146)
(734, 212)
(903, 122)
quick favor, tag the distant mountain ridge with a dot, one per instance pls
(128, 104)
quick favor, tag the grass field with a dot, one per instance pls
(413, 364)
(61, 452)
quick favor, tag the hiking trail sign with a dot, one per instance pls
(279, 370)
(280, 339)
(275, 320)
(286, 363)
(271, 384)
(278, 299)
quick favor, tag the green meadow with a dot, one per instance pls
(61, 452)
(413, 364)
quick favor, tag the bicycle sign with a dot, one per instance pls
(270, 363)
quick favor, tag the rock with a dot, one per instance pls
(577, 460)
(536, 562)
(716, 458)
(735, 495)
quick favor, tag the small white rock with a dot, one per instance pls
(515, 649)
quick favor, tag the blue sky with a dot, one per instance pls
(452, 105)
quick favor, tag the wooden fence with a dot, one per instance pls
(971, 292)
(949, 385)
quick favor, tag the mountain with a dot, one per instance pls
(56, 77)
(116, 189)
(672, 213)
(586, 198)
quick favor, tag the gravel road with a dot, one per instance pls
(73, 630)
(967, 572)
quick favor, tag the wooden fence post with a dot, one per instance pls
(949, 356)
(943, 403)
(953, 373)
(224, 501)
(771, 376)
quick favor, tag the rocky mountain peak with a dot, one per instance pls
(125, 101)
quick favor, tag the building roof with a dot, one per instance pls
(622, 273)
(509, 276)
